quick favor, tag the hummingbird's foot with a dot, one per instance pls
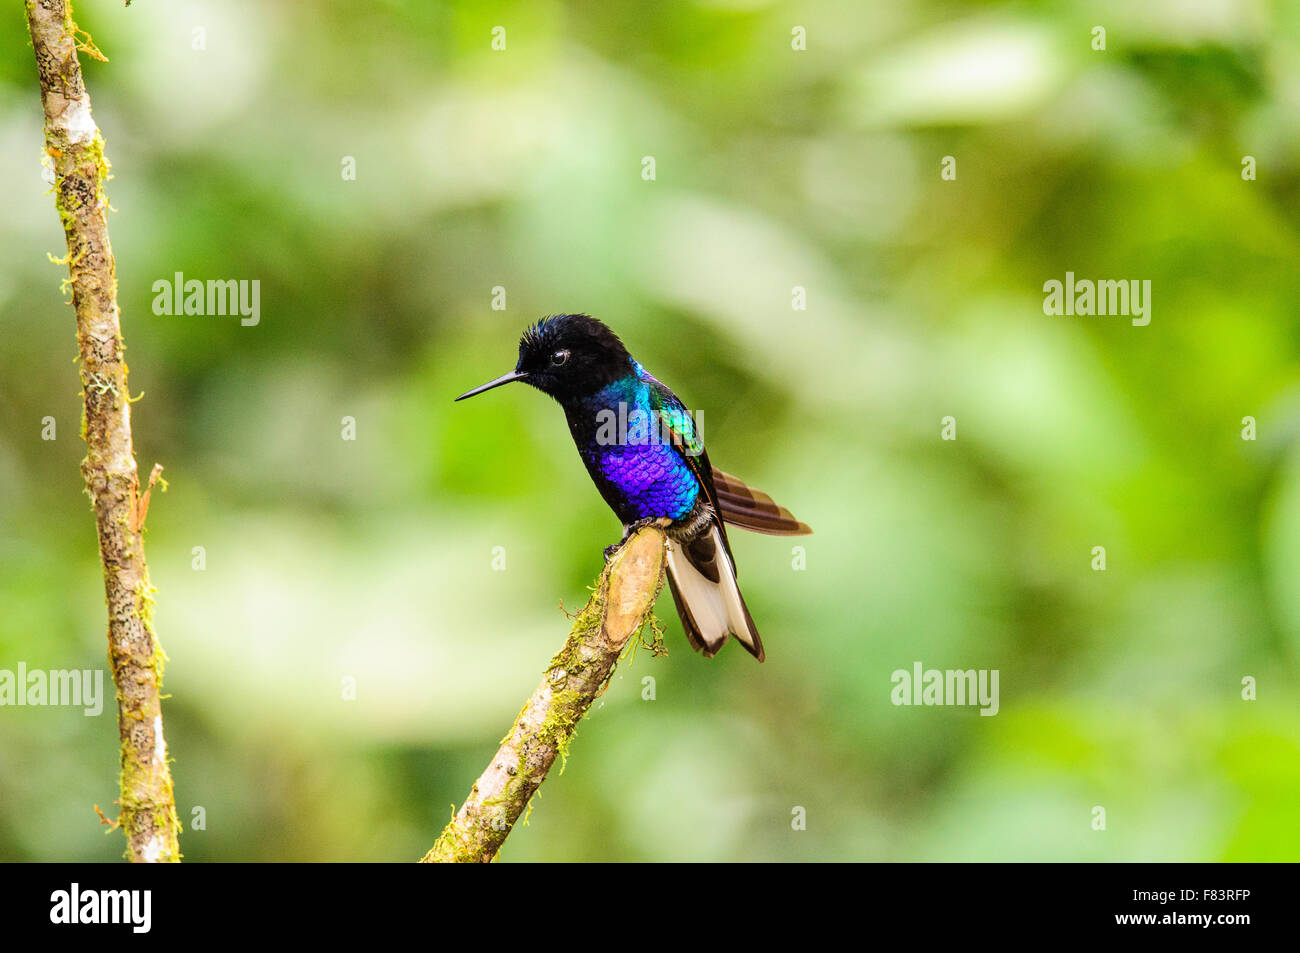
(631, 528)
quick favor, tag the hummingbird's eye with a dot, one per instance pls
(559, 357)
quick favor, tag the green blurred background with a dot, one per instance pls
(372, 559)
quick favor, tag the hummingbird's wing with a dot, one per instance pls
(735, 502)
(679, 425)
(751, 509)
(702, 571)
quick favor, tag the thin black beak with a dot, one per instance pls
(503, 379)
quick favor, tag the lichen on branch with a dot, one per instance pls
(621, 605)
(75, 151)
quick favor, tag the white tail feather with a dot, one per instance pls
(716, 607)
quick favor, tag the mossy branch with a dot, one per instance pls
(76, 153)
(621, 605)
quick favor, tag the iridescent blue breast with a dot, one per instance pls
(652, 480)
(633, 451)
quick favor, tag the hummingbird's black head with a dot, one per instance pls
(567, 356)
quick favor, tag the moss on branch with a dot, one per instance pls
(622, 603)
(74, 149)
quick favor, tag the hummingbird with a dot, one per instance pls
(643, 451)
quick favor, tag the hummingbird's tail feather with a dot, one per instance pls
(703, 584)
(751, 509)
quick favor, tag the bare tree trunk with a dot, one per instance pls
(622, 603)
(76, 152)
